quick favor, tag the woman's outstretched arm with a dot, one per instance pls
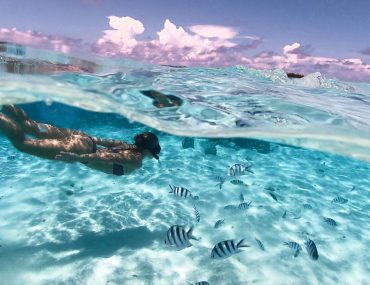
(109, 143)
(121, 158)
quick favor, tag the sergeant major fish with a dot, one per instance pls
(196, 213)
(226, 248)
(273, 196)
(339, 200)
(307, 206)
(237, 182)
(239, 169)
(260, 244)
(330, 222)
(221, 180)
(181, 192)
(284, 215)
(295, 246)
(311, 249)
(241, 198)
(219, 223)
(230, 207)
(178, 237)
(245, 205)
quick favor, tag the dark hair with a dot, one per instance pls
(148, 141)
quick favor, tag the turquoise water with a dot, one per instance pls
(68, 224)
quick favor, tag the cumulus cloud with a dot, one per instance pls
(36, 39)
(200, 45)
(210, 45)
(294, 59)
(296, 51)
(213, 31)
(197, 45)
(123, 33)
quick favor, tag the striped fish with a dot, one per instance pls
(284, 215)
(181, 192)
(219, 223)
(311, 249)
(241, 198)
(339, 200)
(230, 207)
(330, 222)
(200, 283)
(197, 215)
(295, 246)
(237, 182)
(221, 180)
(226, 248)
(239, 169)
(273, 196)
(307, 206)
(260, 244)
(178, 237)
(245, 205)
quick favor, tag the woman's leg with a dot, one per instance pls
(36, 129)
(46, 148)
(49, 148)
(12, 131)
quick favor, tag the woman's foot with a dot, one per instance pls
(15, 113)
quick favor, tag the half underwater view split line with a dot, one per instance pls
(124, 172)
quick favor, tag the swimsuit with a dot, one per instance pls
(94, 147)
(117, 169)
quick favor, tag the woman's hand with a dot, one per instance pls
(67, 156)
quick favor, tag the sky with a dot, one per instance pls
(330, 36)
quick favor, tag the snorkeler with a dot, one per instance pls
(114, 156)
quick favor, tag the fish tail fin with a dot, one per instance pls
(296, 253)
(190, 234)
(171, 188)
(241, 244)
(249, 169)
(285, 243)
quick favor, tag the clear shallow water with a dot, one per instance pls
(110, 230)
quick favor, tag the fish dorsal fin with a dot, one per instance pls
(171, 188)
(241, 244)
(190, 234)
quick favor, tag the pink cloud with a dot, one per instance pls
(200, 45)
(36, 39)
(294, 60)
(212, 31)
(123, 33)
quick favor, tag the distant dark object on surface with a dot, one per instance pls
(161, 100)
(174, 66)
(294, 75)
(187, 143)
